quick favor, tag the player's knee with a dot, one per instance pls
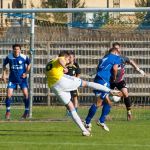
(8, 96)
(83, 83)
(99, 103)
(26, 97)
(125, 95)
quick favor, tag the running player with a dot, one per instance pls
(62, 84)
(19, 66)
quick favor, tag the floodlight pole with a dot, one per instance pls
(31, 79)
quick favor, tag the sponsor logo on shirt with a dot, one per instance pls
(20, 62)
(17, 67)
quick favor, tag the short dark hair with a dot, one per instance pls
(16, 45)
(115, 44)
(113, 49)
(72, 53)
(63, 53)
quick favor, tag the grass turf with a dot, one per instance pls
(46, 131)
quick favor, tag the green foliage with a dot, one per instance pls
(143, 17)
(61, 17)
(80, 16)
(100, 18)
(141, 3)
(54, 4)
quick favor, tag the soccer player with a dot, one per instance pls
(107, 68)
(120, 83)
(19, 66)
(62, 84)
(74, 70)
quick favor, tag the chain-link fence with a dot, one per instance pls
(89, 40)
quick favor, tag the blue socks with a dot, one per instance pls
(91, 113)
(7, 103)
(105, 111)
(26, 103)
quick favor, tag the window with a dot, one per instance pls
(116, 3)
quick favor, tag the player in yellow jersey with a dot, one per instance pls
(62, 84)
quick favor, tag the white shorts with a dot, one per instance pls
(63, 87)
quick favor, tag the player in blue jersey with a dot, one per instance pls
(19, 66)
(107, 68)
(120, 83)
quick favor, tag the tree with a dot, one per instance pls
(99, 19)
(60, 17)
(143, 17)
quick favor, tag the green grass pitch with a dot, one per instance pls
(50, 129)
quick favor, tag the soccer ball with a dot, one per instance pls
(115, 98)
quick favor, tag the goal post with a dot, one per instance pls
(90, 34)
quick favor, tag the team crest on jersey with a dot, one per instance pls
(20, 62)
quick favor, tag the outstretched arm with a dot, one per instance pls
(134, 65)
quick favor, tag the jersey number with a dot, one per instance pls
(49, 66)
(102, 62)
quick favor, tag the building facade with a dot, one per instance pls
(20, 3)
(88, 3)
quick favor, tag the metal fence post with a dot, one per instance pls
(31, 79)
(48, 89)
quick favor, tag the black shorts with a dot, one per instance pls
(74, 93)
(118, 85)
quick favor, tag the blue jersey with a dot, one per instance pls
(105, 67)
(17, 66)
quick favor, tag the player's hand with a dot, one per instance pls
(4, 79)
(65, 70)
(24, 75)
(142, 72)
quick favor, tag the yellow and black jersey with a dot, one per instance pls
(54, 71)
